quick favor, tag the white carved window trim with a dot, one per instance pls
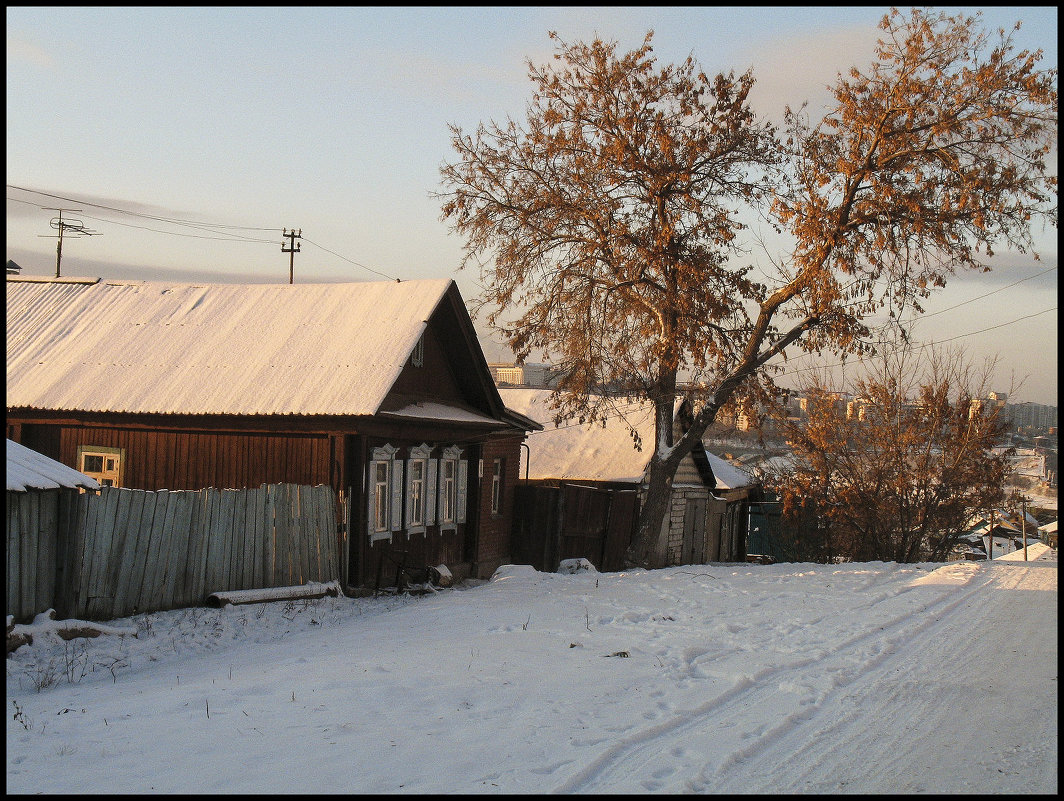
(450, 490)
(384, 499)
(418, 489)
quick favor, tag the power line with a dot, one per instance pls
(351, 261)
(929, 344)
(171, 220)
(227, 237)
(622, 412)
(980, 297)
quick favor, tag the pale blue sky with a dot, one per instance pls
(334, 120)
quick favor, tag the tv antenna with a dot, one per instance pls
(76, 227)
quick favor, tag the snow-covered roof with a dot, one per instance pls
(598, 453)
(27, 469)
(152, 347)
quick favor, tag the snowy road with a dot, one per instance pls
(870, 717)
(856, 678)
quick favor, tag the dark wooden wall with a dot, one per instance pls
(180, 460)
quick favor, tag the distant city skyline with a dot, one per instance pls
(190, 138)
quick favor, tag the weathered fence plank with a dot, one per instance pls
(28, 554)
(15, 537)
(47, 527)
(134, 526)
(179, 592)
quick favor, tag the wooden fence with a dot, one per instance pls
(128, 551)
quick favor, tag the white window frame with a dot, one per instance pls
(417, 489)
(450, 499)
(112, 464)
(384, 501)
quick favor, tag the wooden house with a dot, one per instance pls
(377, 389)
(585, 485)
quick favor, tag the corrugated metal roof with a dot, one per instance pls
(258, 349)
(27, 469)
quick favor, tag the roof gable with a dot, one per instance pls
(259, 349)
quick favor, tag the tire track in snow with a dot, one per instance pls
(659, 752)
(905, 724)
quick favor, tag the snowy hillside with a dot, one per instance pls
(864, 678)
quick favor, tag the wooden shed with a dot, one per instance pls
(41, 504)
(585, 486)
(378, 389)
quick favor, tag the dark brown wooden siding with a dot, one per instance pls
(191, 460)
(494, 547)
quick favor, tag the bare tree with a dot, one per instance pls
(608, 222)
(897, 472)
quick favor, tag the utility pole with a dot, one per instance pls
(61, 225)
(292, 248)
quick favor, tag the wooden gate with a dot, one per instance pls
(572, 521)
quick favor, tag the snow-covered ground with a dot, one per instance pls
(863, 678)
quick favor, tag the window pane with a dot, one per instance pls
(92, 463)
(381, 497)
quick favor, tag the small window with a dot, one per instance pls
(417, 356)
(384, 492)
(417, 489)
(417, 493)
(381, 496)
(102, 463)
(451, 500)
(496, 486)
(447, 490)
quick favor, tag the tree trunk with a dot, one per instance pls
(646, 549)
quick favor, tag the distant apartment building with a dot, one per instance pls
(1032, 417)
(523, 375)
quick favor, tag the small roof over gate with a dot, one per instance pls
(28, 470)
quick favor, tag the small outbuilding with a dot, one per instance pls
(583, 487)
